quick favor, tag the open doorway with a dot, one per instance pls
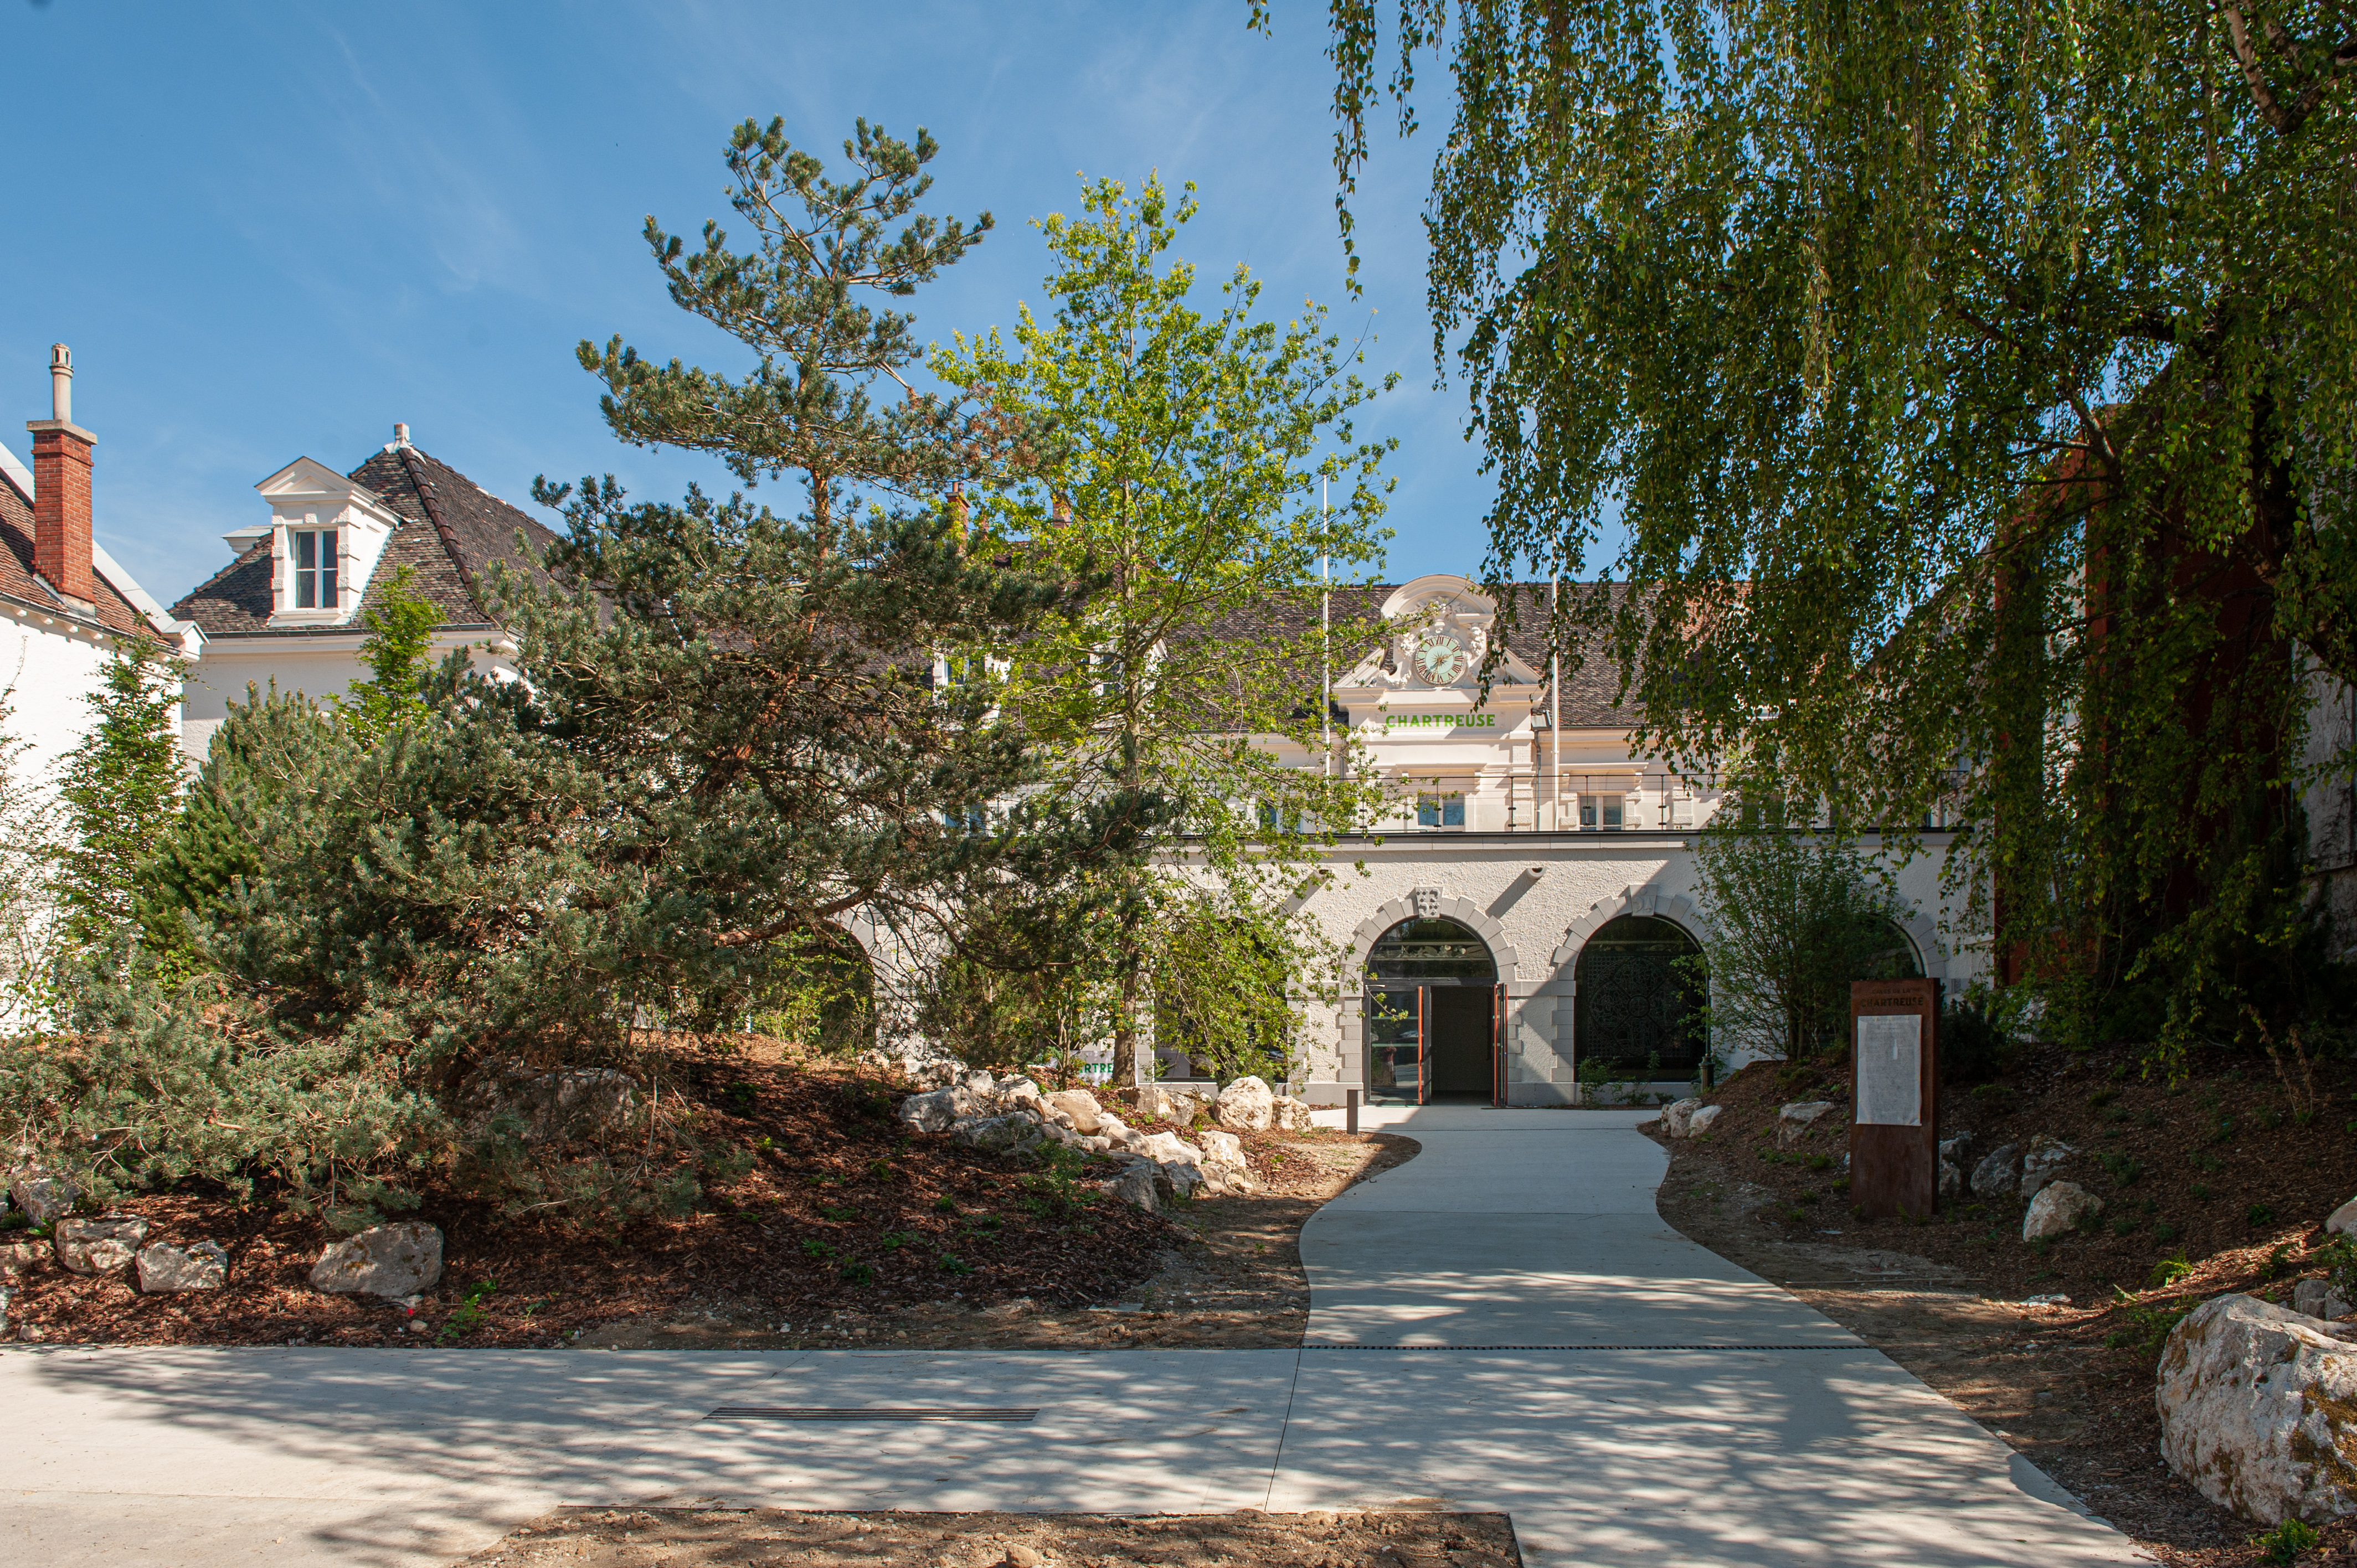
(1433, 1010)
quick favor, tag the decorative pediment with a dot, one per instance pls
(1440, 633)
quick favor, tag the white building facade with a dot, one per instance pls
(1522, 912)
(291, 606)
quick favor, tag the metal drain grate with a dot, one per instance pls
(870, 1412)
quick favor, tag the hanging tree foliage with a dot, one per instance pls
(1973, 383)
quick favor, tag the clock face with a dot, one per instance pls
(1441, 658)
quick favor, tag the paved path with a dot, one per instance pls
(1512, 1228)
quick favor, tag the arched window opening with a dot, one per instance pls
(1637, 1000)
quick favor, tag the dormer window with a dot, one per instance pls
(315, 569)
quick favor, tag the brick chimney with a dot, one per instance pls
(61, 488)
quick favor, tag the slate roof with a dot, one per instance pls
(111, 610)
(1591, 683)
(451, 530)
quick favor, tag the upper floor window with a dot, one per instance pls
(315, 568)
(1440, 810)
(1601, 813)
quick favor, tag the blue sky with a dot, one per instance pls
(270, 230)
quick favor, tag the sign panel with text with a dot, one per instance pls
(1894, 1136)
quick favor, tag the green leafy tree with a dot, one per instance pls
(1971, 383)
(1791, 916)
(28, 867)
(399, 632)
(1178, 455)
(121, 785)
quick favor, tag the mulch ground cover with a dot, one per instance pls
(635, 1538)
(837, 1209)
(2215, 1184)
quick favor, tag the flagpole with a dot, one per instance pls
(1325, 638)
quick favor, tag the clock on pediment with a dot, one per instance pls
(1442, 645)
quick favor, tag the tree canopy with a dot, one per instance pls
(1972, 383)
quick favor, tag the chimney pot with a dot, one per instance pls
(401, 435)
(61, 383)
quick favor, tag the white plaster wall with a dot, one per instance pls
(318, 669)
(47, 673)
(1535, 925)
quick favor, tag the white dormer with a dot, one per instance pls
(326, 534)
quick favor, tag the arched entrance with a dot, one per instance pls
(1433, 1009)
(1634, 1001)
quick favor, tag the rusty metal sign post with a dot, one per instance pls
(1894, 1134)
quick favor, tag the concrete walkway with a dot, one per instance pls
(1512, 1228)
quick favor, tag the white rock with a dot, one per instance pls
(18, 1257)
(1677, 1117)
(507, 1096)
(98, 1246)
(1699, 1121)
(1096, 1145)
(999, 1134)
(1953, 1152)
(404, 1258)
(2057, 1208)
(1292, 1114)
(2344, 1219)
(1999, 1173)
(2317, 1298)
(1225, 1171)
(1166, 1147)
(1080, 1106)
(44, 1195)
(1017, 1089)
(201, 1266)
(2259, 1409)
(1109, 1127)
(1247, 1105)
(2045, 1156)
(1793, 1119)
(1134, 1185)
(930, 1112)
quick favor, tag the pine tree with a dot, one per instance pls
(122, 785)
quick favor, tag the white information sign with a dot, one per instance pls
(1890, 1069)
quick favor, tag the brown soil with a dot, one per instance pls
(614, 1538)
(843, 1230)
(2068, 1385)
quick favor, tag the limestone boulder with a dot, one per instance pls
(20, 1257)
(933, 1111)
(2057, 1209)
(999, 1134)
(1999, 1173)
(1225, 1170)
(1166, 1147)
(164, 1268)
(1954, 1153)
(1795, 1120)
(1136, 1186)
(2317, 1298)
(1081, 1107)
(98, 1246)
(1677, 1117)
(2259, 1409)
(404, 1258)
(1246, 1105)
(1163, 1103)
(1698, 1123)
(2043, 1161)
(45, 1196)
(507, 1097)
(2344, 1221)
(1292, 1114)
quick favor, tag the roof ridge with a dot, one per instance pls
(408, 455)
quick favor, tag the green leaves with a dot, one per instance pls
(1194, 472)
(1970, 384)
(121, 784)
